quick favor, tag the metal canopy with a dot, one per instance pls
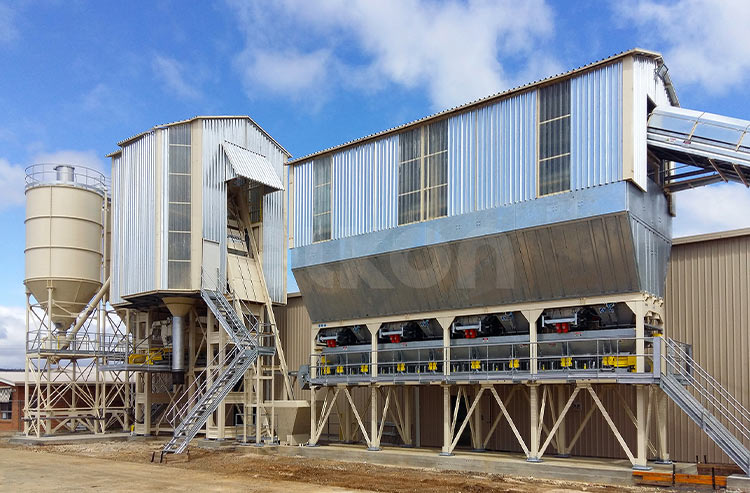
(715, 148)
(252, 165)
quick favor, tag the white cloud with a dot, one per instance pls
(711, 209)
(708, 42)
(175, 77)
(286, 72)
(12, 337)
(456, 51)
(11, 184)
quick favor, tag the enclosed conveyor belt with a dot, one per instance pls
(715, 147)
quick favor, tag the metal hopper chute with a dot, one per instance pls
(714, 148)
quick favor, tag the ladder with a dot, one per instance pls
(706, 402)
(242, 356)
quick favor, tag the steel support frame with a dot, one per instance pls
(548, 402)
(66, 389)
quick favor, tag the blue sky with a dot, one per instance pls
(76, 77)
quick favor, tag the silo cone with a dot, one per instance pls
(179, 307)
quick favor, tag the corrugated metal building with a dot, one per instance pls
(492, 147)
(708, 288)
(171, 173)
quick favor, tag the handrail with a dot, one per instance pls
(193, 392)
(707, 387)
(714, 383)
(73, 175)
(246, 334)
(604, 358)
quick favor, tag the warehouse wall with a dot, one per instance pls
(708, 306)
(708, 289)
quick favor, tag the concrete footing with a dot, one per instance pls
(735, 482)
(594, 470)
(67, 439)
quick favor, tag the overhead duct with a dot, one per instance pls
(179, 308)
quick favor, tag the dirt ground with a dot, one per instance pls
(125, 466)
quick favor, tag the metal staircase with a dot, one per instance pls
(722, 417)
(207, 391)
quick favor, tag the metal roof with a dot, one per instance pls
(489, 99)
(733, 233)
(252, 165)
(202, 117)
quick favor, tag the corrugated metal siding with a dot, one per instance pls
(352, 177)
(462, 163)
(708, 288)
(217, 169)
(116, 234)
(596, 127)
(295, 328)
(252, 165)
(385, 192)
(492, 155)
(492, 159)
(652, 254)
(134, 203)
(364, 190)
(303, 204)
(645, 84)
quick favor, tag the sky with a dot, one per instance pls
(76, 77)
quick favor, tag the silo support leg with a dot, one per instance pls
(642, 447)
(325, 412)
(634, 419)
(454, 438)
(661, 425)
(406, 412)
(446, 421)
(477, 430)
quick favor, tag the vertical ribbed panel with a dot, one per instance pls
(492, 155)
(116, 231)
(645, 84)
(294, 324)
(303, 203)
(652, 257)
(596, 127)
(133, 218)
(385, 184)
(217, 169)
(352, 189)
(708, 287)
(462, 163)
(364, 189)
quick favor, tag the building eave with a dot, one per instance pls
(721, 235)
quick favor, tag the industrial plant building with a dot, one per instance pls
(498, 276)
